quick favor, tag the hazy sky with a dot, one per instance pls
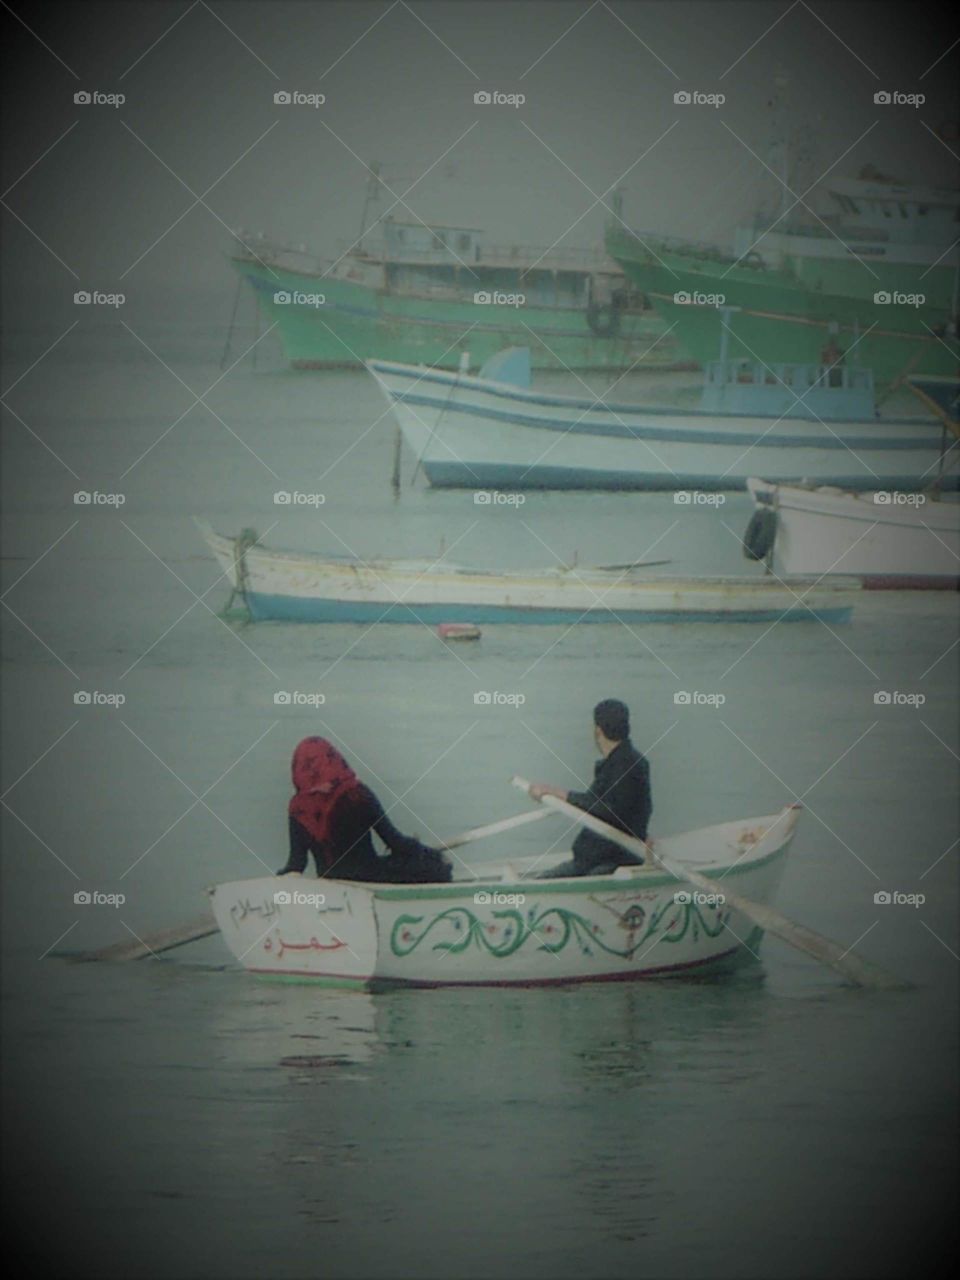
(399, 82)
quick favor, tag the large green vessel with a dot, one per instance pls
(426, 294)
(877, 280)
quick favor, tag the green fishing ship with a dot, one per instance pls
(875, 282)
(428, 293)
(425, 294)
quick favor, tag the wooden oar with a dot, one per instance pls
(204, 926)
(861, 972)
(635, 564)
(493, 828)
(154, 943)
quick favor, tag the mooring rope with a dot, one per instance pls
(246, 539)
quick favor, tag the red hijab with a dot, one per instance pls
(320, 777)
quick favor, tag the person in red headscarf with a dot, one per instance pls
(333, 815)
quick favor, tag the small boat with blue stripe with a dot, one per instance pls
(787, 423)
(297, 586)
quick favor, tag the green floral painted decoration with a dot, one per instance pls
(554, 928)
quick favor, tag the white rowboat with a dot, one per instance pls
(501, 928)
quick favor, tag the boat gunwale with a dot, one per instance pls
(550, 577)
(834, 503)
(642, 878)
(505, 391)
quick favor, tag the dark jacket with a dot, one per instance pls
(349, 854)
(620, 795)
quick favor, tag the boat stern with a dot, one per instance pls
(296, 928)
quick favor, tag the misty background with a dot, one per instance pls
(108, 191)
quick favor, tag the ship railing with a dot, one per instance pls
(522, 256)
(798, 377)
(703, 248)
(272, 253)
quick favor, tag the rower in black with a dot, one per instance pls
(619, 795)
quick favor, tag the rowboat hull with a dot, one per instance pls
(475, 433)
(900, 539)
(284, 586)
(505, 929)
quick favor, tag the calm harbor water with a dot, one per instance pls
(767, 1123)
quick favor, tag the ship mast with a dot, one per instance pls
(372, 197)
(779, 148)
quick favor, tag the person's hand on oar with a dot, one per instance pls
(540, 789)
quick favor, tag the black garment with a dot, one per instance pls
(620, 795)
(349, 854)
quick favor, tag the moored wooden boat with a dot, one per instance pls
(785, 423)
(291, 586)
(501, 927)
(888, 538)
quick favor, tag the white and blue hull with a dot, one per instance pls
(288, 586)
(474, 433)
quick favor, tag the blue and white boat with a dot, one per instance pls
(297, 586)
(786, 423)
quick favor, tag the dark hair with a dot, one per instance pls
(612, 718)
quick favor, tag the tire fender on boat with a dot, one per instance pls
(603, 318)
(761, 534)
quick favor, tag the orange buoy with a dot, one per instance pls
(458, 631)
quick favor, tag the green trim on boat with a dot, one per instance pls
(579, 884)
